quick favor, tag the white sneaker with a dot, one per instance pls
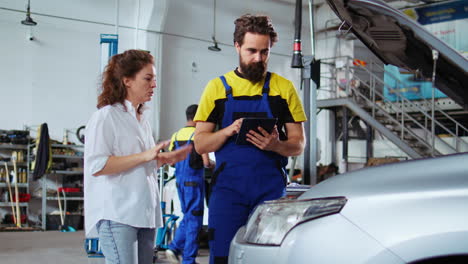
(171, 256)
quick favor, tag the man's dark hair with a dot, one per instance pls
(191, 111)
(254, 24)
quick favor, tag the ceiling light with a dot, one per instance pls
(28, 21)
(215, 46)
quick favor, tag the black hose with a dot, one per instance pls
(297, 51)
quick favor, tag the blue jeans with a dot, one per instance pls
(124, 244)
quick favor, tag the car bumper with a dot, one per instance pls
(330, 239)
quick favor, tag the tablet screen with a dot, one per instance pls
(252, 123)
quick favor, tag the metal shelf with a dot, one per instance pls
(12, 146)
(64, 172)
(25, 149)
(13, 204)
(9, 163)
(71, 198)
(61, 156)
(66, 146)
(21, 185)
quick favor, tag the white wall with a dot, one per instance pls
(54, 78)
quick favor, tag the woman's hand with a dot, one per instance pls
(173, 156)
(118, 164)
(152, 153)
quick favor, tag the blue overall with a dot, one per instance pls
(190, 187)
(244, 176)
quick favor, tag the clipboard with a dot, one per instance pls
(252, 123)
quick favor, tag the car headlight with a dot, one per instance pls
(272, 220)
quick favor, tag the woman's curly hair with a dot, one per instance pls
(126, 64)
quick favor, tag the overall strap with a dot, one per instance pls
(266, 85)
(190, 138)
(226, 86)
(176, 144)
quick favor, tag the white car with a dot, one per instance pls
(408, 212)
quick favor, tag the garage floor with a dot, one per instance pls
(52, 247)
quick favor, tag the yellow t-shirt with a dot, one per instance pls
(284, 101)
(183, 135)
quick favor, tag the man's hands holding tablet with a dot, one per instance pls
(260, 132)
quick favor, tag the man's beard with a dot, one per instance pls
(253, 72)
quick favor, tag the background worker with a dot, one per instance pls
(120, 161)
(247, 175)
(191, 190)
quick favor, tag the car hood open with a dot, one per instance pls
(398, 40)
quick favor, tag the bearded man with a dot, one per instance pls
(247, 175)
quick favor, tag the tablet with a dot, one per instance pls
(252, 123)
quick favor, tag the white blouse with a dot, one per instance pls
(130, 197)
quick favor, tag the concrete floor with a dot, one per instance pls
(52, 247)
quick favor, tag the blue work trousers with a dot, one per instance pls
(191, 195)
